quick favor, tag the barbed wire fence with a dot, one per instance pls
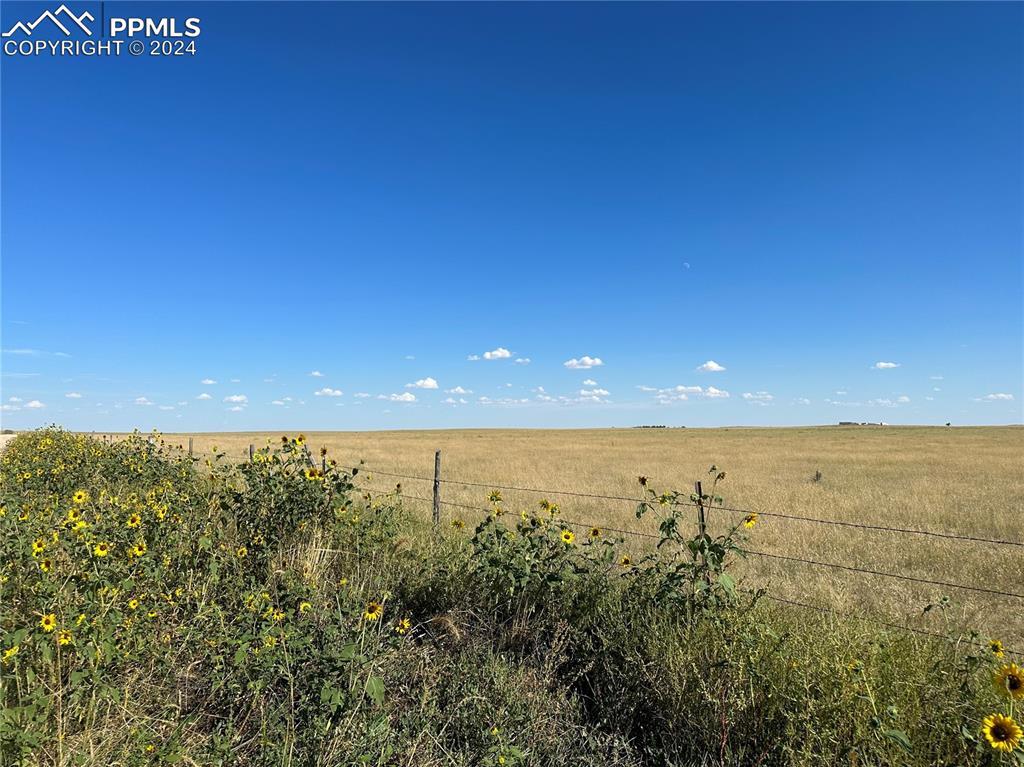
(436, 502)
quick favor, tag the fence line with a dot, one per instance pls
(776, 514)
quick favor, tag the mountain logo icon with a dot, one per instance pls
(63, 18)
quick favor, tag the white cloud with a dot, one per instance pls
(712, 393)
(473, 357)
(167, 407)
(882, 402)
(522, 360)
(936, 378)
(317, 374)
(410, 356)
(142, 401)
(583, 363)
(886, 365)
(710, 367)
(594, 392)
(277, 402)
(406, 397)
(328, 392)
(590, 382)
(458, 390)
(207, 382)
(998, 397)
(502, 401)
(423, 383)
(501, 353)
(361, 394)
(760, 396)
(453, 401)
(802, 401)
(904, 399)
(9, 408)
(236, 380)
(73, 395)
(204, 395)
(14, 399)
(240, 399)
(236, 409)
(34, 405)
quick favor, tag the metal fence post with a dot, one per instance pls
(437, 488)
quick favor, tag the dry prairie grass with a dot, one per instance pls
(958, 480)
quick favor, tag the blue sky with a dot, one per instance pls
(793, 193)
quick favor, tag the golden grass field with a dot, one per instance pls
(956, 480)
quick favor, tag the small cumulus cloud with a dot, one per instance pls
(166, 407)
(583, 363)
(142, 401)
(802, 401)
(14, 399)
(710, 367)
(594, 392)
(997, 397)
(236, 409)
(458, 390)
(405, 397)
(204, 395)
(316, 374)
(73, 395)
(207, 382)
(712, 393)
(453, 401)
(328, 392)
(34, 405)
(240, 399)
(278, 402)
(590, 382)
(473, 357)
(761, 397)
(361, 394)
(501, 353)
(903, 399)
(423, 383)
(886, 365)
(522, 360)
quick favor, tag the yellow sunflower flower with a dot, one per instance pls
(38, 547)
(1009, 681)
(134, 520)
(48, 622)
(80, 497)
(373, 610)
(64, 637)
(101, 549)
(568, 536)
(46, 565)
(595, 532)
(626, 561)
(403, 626)
(1001, 732)
(304, 607)
(750, 520)
(996, 647)
(241, 552)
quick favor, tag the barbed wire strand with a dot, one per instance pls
(754, 552)
(776, 514)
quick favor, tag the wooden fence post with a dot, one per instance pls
(437, 488)
(252, 451)
(189, 447)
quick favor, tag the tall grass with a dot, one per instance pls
(266, 613)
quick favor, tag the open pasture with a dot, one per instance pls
(964, 481)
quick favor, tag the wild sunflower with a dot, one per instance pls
(241, 552)
(133, 604)
(277, 615)
(74, 515)
(46, 565)
(458, 524)
(595, 532)
(568, 536)
(300, 440)
(101, 549)
(9, 653)
(626, 561)
(64, 637)
(304, 606)
(403, 626)
(139, 549)
(48, 622)
(495, 496)
(38, 547)
(323, 452)
(996, 647)
(1009, 681)
(1001, 732)
(373, 610)
(80, 497)
(750, 520)
(134, 520)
